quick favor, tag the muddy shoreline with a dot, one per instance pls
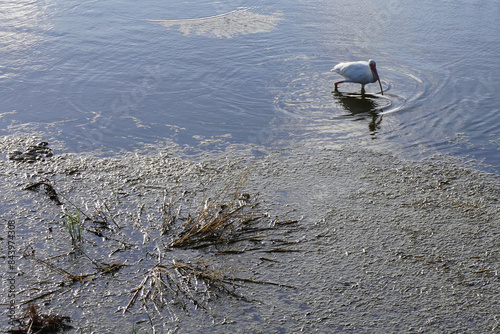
(380, 244)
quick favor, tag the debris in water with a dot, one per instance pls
(33, 153)
(34, 322)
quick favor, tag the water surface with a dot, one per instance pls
(114, 75)
(106, 76)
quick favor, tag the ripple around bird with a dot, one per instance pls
(310, 94)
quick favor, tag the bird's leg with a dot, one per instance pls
(336, 85)
(362, 89)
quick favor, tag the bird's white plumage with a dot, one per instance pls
(356, 71)
(362, 72)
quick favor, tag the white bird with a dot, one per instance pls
(361, 72)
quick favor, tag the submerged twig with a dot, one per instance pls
(49, 189)
(60, 271)
(39, 296)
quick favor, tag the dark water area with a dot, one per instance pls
(117, 74)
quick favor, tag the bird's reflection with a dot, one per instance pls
(361, 106)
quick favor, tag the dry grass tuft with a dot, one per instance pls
(183, 284)
(224, 219)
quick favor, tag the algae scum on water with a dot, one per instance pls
(301, 239)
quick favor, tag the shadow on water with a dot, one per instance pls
(361, 106)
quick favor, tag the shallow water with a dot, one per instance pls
(372, 244)
(113, 75)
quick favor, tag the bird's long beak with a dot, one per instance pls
(379, 83)
(374, 70)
